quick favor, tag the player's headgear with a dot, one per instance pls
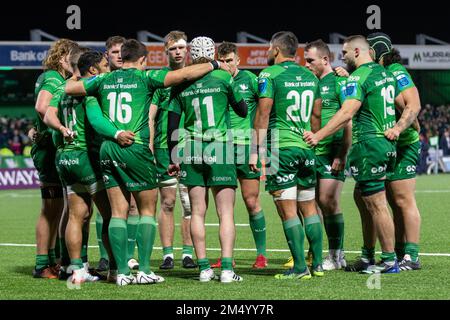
(202, 47)
(380, 43)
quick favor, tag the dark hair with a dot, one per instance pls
(392, 57)
(132, 50)
(174, 35)
(89, 59)
(286, 41)
(226, 48)
(321, 46)
(111, 41)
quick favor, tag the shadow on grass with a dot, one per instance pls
(22, 270)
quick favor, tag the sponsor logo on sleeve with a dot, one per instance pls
(351, 90)
(403, 80)
(262, 85)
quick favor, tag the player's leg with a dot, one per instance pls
(376, 205)
(307, 207)
(146, 233)
(399, 225)
(188, 246)
(46, 227)
(104, 211)
(166, 223)
(405, 207)
(250, 194)
(132, 225)
(103, 263)
(198, 196)
(80, 205)
(65, 258)
(329, 202)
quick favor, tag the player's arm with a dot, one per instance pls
(260, 125)
(75, 87)
(237, 102)
(408, 103)
(43, 100)
(51, 120)
(316, 117)
(193, 72)
(84, 86)
(104, 126)
(151, 124)
(341, 158)
(339, 120)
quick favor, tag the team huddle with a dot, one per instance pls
(111, 133)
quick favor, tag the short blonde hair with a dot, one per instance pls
(174, 36)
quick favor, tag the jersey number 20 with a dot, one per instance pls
(303, 102)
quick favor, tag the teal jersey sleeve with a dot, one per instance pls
(265, 86)
(354, 90)
(95, 116)
(56, 98)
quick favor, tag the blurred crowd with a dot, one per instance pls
(13, 135)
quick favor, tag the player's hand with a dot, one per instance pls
(310, 138)
(34, 135)
(125, 138)
(392, 134)
(341, 72)
(253, 162)
(338, 165)
(67, 134)
(174, 169)
(225, 67)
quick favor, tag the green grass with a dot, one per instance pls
(19, 211)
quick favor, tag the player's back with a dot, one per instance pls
(125, 98)
(293, 89)
(375, 87)
(205, 106)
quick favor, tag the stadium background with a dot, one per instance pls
(99, 22)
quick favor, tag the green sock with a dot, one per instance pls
(334, 227)
(258, 226)
(84, 243)
(367, 253)
(388, 256)
(132, 226)
(42, 261)
(400, 248)
(118, 237)
(98, 228)
(145, 238)
(167, 251)
(52, 256)
(188, 251)
(227, 263)
(57, 248)
(314, 233)
(295, 237)
(413, 250)
(65, 258)
(204, 264)
(77, 263)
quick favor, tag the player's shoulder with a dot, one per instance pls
(272, 71)
(363, 72)
(249, 74)
(397, 69)
(221, 75)
(51, 75)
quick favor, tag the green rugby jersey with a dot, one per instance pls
(332, 92)
(375, 87)
(125, 96)
(72, 114)
(404, 82)
(293, 89)
(204, 103)
(50, 81)
(246, 83)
